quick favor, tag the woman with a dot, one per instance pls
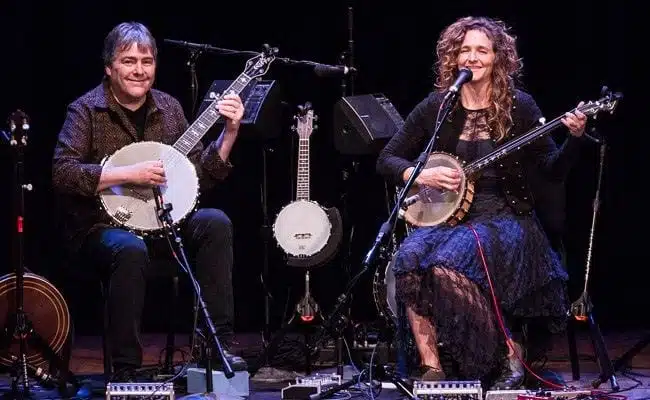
(440, 271)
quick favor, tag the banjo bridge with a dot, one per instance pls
(122, 214)
(302, 236)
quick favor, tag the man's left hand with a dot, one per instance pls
(231, 107)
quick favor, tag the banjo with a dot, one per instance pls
(137, 208)
(429, 206)
(307, 232)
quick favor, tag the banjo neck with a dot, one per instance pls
(304, 127)
(208, 117)
(607, 103)
(302, 180)
(255, 67)
(510, 147)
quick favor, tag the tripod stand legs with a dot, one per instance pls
(573, 350)
(581, 310)
(272, 346)
(606, 368)
(21, 370)
(306, 311)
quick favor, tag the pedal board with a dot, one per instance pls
(148, 390)
(448, 390)
(307, 386)
(537, 395)
(558, 395)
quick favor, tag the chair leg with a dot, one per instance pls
(573, 350)
(108, 364)
(171, 330)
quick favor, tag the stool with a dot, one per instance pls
(161, 268)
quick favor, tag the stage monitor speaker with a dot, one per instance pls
(363, 124)
(262, 108)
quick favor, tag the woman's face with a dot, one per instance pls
(477, 54)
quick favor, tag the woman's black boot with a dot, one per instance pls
(512, 372)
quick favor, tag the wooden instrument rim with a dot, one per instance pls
(43, 286)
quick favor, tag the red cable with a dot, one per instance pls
(500, 317)
(504, 330)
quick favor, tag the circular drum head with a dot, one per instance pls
(436, 206)
(135, 206)
(302, 228)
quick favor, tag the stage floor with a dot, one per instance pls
(634, 382)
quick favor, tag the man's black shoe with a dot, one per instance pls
(236, 363)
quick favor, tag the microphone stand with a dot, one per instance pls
(379, 248)
(198, 48)
(18, 326)
(164, 210)
(194, 81)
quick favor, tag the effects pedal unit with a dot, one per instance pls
(307, 386)
(148, 390)
(452, 390)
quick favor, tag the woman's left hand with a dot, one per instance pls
(575, 121)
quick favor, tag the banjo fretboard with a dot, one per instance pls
(208, 118)
(607, 103)
(302, 190)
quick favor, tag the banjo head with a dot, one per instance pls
(302, 228)
(437, 206)
(134, 207)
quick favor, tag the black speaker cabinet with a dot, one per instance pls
(363, 124)
(262, 108)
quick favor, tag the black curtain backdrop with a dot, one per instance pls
(52, 54)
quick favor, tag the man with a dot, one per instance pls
(122, 109)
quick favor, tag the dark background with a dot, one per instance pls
(52, 54)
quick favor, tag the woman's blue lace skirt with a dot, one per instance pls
(440, 274)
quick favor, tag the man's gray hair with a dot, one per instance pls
(123, 36)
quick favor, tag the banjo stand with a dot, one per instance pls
(306, 314)
(163, 211)
(18, 325)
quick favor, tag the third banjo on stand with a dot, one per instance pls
(307, 232)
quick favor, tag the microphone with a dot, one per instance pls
(324, 70)
(424, 196)
(464, 76)
(189, 45)
(410, 200)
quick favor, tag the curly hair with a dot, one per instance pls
(507, 66)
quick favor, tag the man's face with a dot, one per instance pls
(132, 73)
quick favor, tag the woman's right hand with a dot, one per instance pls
(438, 177)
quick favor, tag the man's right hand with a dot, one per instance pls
(146, 173)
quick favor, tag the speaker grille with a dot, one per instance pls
(363, 124)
